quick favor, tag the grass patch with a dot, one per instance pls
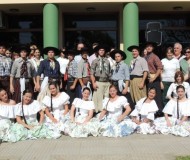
(183, 158)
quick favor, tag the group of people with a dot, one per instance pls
(81, 94)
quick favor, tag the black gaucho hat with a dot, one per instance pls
(23, 48)
(105, 47)
(130, 48)
(2, 44)
(84, 49)
(47, 49)
(112, 53)
(153, 44)
(69, 52)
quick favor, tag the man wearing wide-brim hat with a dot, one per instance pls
(155, 68)
(120, 74)
(100, 74)
(49, 67)
(138, 74)
(22, 75)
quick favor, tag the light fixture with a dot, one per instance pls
(177, 8)
(14, 10)
(90, 9)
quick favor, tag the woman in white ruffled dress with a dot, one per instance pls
(143, 114)
(27, 126)
(179, 110)
(115, 122)
(56, 108)
(179, 80)
(81, 114)
(7, 114)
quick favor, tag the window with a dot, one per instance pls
(91, 28)
(23, 30)
(175, 28)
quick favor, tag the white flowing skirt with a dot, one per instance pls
(177, 130)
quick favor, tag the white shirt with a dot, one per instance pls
(30, 110)
(146, 110)
(115, 108)
(91, 58)
(79, 57)
(7, 111)
(63, 62)
(171, 108)
(172, 89)
(169, 69)
(112, 62)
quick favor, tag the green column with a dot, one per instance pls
(50, 25)
(130, 28)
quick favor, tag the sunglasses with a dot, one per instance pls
(187, 52)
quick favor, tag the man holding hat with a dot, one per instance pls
(71, 74)
(155, 68)
(22, 75)
(83, 70)
(138, 74)
(120, 74)
(49, 67)
(5, 69)
(100, 75)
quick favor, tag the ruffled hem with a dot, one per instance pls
(18, 132)
(110, 128)
(177, 130)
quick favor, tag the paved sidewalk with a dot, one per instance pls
(133, 147)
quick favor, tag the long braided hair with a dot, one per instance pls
(177, 88)
(22, 103)
(51, 101)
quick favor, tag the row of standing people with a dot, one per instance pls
(131, 81)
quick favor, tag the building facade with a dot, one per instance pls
(119, 23)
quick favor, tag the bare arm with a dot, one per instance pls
(127, 111)
(167, 120)
(145, 74)
(72, 113)
(37, 83)
(19, 120)
(185, 118)
(11, 85)
(50, 115)
(41, 117)
(89, 117)
(81, 82)
(66, 109)
(102, 114)
(125, 90)
(74, 84)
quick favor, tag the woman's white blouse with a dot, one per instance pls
(115, 108)
(171, 108)
(7, 111)
(82, 106)
(172, 89)
(146, 110)
(57, 102)
(30, 111)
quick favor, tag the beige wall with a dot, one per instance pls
(81, 1)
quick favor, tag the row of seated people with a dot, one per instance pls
(52, 117)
